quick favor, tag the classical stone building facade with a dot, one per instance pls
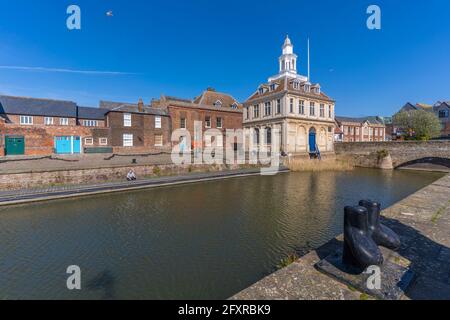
(299, 110)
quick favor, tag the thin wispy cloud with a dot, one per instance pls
(61, 70)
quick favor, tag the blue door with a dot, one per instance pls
(312, 142)
(76, 145)
(67, 145)
(63, 145)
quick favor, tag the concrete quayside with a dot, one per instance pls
(423, 222)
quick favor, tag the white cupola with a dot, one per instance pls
(288, 62)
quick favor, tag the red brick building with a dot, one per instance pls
(137, 127)
(366, 129)
(213, 109)
(31, 126)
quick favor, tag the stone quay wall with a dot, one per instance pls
(393, 154)
(27, 180)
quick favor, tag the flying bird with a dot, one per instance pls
(109, 13)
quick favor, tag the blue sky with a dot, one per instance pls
(180, 48)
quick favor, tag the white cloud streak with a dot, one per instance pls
(61, 70)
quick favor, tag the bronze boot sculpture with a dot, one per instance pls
(382, 235)
(360, 250)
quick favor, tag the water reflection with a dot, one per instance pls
(205, 240)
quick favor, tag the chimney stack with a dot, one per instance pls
(140, 105)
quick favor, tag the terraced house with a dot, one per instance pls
(136, 127)
(30, 126)
(300, 111)
(365, 129)
(214, 110)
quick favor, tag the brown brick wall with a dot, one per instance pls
(143, 131)
(230, 120)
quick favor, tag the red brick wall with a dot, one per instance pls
(39, 120)
(354, 137)
(39, 139)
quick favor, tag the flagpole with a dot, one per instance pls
(309, 66)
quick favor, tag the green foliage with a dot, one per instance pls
(381, 154)
(420, 124)
(364, 296)
(156, 170)
(290, 259)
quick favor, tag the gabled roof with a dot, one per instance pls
(373, 120)
(205, 101)
(37, 107)
(91, 113)
(210, 97)
(110, 106)
(439, 105)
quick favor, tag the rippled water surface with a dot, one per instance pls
(206, 240)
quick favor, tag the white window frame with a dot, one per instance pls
(158, 122)
(256, 111)
(162, 140)
(89, 141)
(206, 122)
(64, 121)
(301, 106)
(312, 109)
(90, 123)
(183, 123)
(26, 120)
(127, 140)
(103, 141)
(267, 109)
(219, 119)
(127, 119)
(48, 121)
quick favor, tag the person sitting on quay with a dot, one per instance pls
(131, 176)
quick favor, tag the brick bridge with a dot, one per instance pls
(402, 153)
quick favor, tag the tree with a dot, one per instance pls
(421, 124)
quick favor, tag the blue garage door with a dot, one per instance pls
(67, 145)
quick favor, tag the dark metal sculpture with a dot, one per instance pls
(382, 235)
(363, 233)
(360, 250)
